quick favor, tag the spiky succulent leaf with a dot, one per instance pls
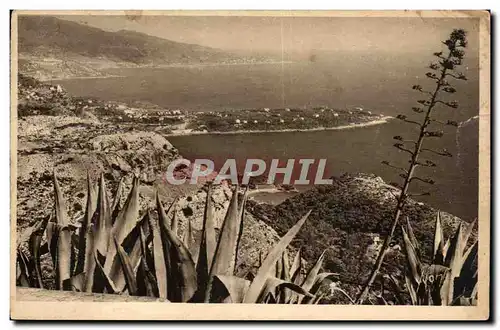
(124, 223)
(22, 270)
(160, 266)
(229, 289)
(308, 282)
(207, 248)
(413, 239)
(438, 250)
(127, 268)
(263, 273)
(296, 267)
(63, 251)
(182, 266)
(146, 281)
(454, 253)
(90, 263)
(412, 259)
(76, 282)
(164, 222)
(115, 207)
(274, 284)
(84, 228)
(35, 242)
(411, 289)
(466, 282)
(225, 253)
(188, 235)
(101, 219)
(102, 282)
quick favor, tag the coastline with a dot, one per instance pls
(379, 121)
(159, 66)
(80, 77)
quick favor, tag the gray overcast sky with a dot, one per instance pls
(297, 33)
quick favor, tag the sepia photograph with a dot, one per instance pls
(170, 165)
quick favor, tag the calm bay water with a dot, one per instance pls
(383, 87)
(352, 151)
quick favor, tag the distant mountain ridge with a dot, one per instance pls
(53, 48)
(45, 35)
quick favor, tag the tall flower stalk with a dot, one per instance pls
(444, 68)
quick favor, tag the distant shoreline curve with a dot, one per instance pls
(159, 66)
(380, 121)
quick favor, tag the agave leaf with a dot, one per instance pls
(125, 221)
(134, 235)
(208, 245)
(224, 260)
(445, 248)
(242, 219)
(188, 234)
(82, 236)
(22, 276)
(146, 281)
(117, 275)
(468, 231)
(411, 290)
(296, 267)
(90, 263)
(317, 299)
(345, 294)
(126, 268)
(466, 281)
(438, 251)
(412, 258)
(312, 274)
(318, 281)
(35, 241)
(279, 267)
(163, 221)
(159, 259)
(101, 219)
(470, 256)
(436, 283)
(175, 221)
(225, 253)
(102, 282)
(229, 289)
(274, 284)
(115, 208)
(63, 265)
(285, 293)
(286, 266)
(263, 273)
(63, 256)
(269, 299)
(51, 233)
(60, 208)
(453, 258)
(413, 239)
(445, 288)
(76, 282)
(183, 268)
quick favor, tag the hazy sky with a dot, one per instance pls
(294, 33)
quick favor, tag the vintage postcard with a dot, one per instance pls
(203, 165)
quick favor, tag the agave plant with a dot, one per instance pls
(116, 251)
(451, 278)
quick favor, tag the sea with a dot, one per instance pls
(382, 85)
